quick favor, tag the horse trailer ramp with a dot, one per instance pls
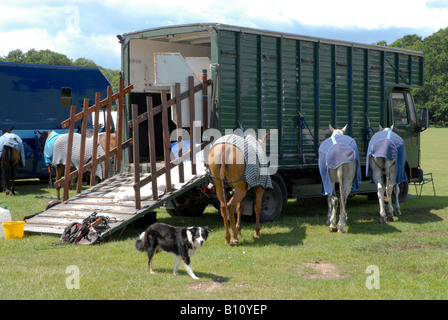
(111, 198)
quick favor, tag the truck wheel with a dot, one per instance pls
(189, 204)
(272, 203)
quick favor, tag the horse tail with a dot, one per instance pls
(387, 198)
(341, 188)
(5, 168)
(222, 171)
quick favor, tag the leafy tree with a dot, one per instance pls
(49, 57)
(411, 42)
(434, 95)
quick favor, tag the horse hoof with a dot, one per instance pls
(390, 219)
(382, 220)
(234, 242)
(341, 230)
(257, 236)
(333, 229)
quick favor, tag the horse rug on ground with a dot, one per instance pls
(256, 171)
(56, 152)
(14, 141)
(389, 145)
(333, 152)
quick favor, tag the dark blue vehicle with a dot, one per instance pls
(38, 98)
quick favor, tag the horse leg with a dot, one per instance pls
(258, 197)
(238, 196)
(334, 200)
(397, 202)
(378, 179)
(390, 184)
(59, 173)
(50, 181)
(223, 209)
(330, 209)
(239, 212)
(13, 177)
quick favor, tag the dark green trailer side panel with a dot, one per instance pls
(300, 86)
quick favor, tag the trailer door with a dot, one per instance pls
(405, 121)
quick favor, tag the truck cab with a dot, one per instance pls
(403, 114)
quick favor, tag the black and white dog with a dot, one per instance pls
(180, 242)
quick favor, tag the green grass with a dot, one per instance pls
(411, 253)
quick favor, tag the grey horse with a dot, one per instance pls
(338, 162)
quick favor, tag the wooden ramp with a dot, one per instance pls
(102, 199)
(128, 196)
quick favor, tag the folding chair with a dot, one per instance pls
(425, 179)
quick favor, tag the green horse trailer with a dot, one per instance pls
(290, 85)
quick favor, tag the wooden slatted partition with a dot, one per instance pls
(164, 108)
(109, 153)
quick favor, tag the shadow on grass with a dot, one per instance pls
(363, 218)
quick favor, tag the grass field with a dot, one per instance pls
(296, 258)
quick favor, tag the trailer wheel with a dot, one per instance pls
(272, 203)
(189, 204)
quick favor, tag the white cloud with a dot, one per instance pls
(88, 29)
(351, 13)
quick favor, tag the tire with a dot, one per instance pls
(189, 204)
(272, 203)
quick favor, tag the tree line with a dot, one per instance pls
(49, 57)
(433, 96)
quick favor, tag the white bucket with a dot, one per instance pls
(5, 216)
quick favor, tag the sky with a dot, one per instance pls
(88, 29)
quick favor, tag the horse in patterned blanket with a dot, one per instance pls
(12, 157)
(338, 162)
(386, 156)
(54, 152)
(238, 162)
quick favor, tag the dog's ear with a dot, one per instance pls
(207, 229)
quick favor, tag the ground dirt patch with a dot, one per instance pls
(323, 270)
(207, 286)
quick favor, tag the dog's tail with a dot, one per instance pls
(140, 243)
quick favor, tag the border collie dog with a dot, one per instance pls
(180, 242)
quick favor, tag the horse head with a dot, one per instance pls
(42, 139)
(337, 131)
(6, 130)
(386, 129)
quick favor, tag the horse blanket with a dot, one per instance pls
(333, 152)
(389, 145)
(256, 171)
(47, 156)
(58, 153)
(14, 141)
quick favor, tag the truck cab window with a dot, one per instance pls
(399, 107)
(66, 97)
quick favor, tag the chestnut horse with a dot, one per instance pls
(227, 165)
(10, 160)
